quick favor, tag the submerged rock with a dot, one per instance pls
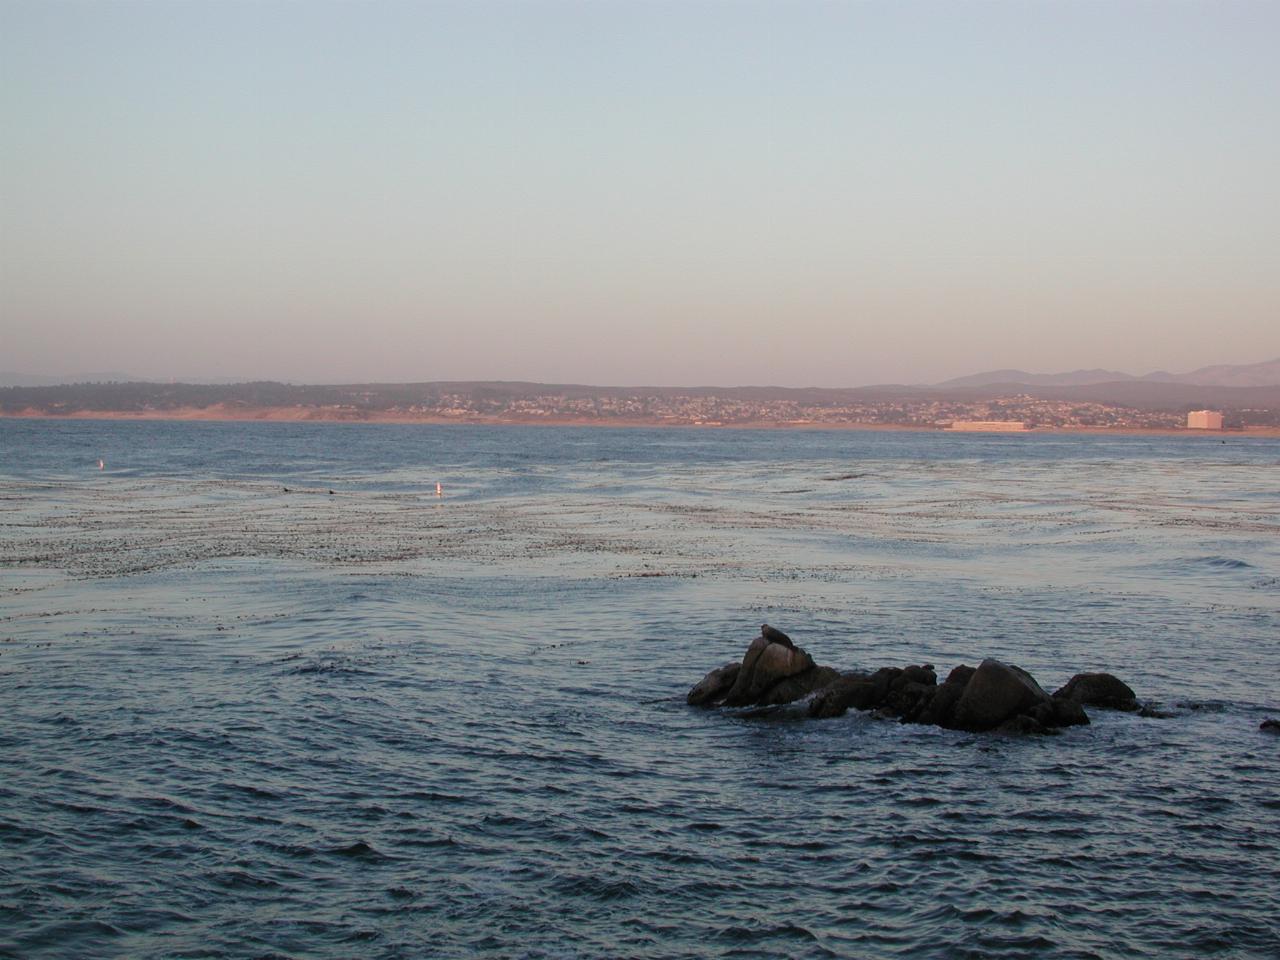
(1100, 690)
(1023, 724)
(1060, 712)
(1270, 725)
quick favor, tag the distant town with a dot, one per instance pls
(1132, 405)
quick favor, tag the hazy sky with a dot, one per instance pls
(668, 193)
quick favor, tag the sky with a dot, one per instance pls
(664, 193)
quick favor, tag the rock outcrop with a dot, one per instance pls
(1099, 690)
(773, 671)
(992, 696)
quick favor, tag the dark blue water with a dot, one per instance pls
(240, 722)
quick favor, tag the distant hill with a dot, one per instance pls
(1073, 379)
(1265, 374)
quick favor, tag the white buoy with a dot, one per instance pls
(101, 465)
(439, 489)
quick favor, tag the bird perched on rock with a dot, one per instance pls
(776, 636)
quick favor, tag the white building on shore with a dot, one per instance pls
(1204, 420)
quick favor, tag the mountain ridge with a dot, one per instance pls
(1263, 374)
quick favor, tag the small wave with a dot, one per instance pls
(236, 879)
(164, 803)
(1202, 706)
(432, 796)
(14, 832)
(747, 935)
(1220, 563)
(328, 668)
(705, 827)
(258, 793)
(61, 934)
(360, 850)
(597, 888)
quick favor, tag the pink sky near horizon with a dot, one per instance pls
(668, 194)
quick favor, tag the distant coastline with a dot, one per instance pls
(1109, 407)
(282, 415)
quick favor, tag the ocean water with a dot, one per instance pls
(237, 721)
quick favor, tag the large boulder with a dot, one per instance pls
(765, 665)
(995, 693)
(1099, 690)
(712, 688)
(773, 671)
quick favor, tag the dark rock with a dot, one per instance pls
(1023, 724)
(1099, 690)
(775, 636)
(961, 674)
(995, 693)
(1270, 725)
(849, 690)
(910, 691)
(906, 699)
(713, 687)
(941, 707)
(799, 686)
(1059, 712)
(923, 674)
(1154, 713)
(882, 680)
